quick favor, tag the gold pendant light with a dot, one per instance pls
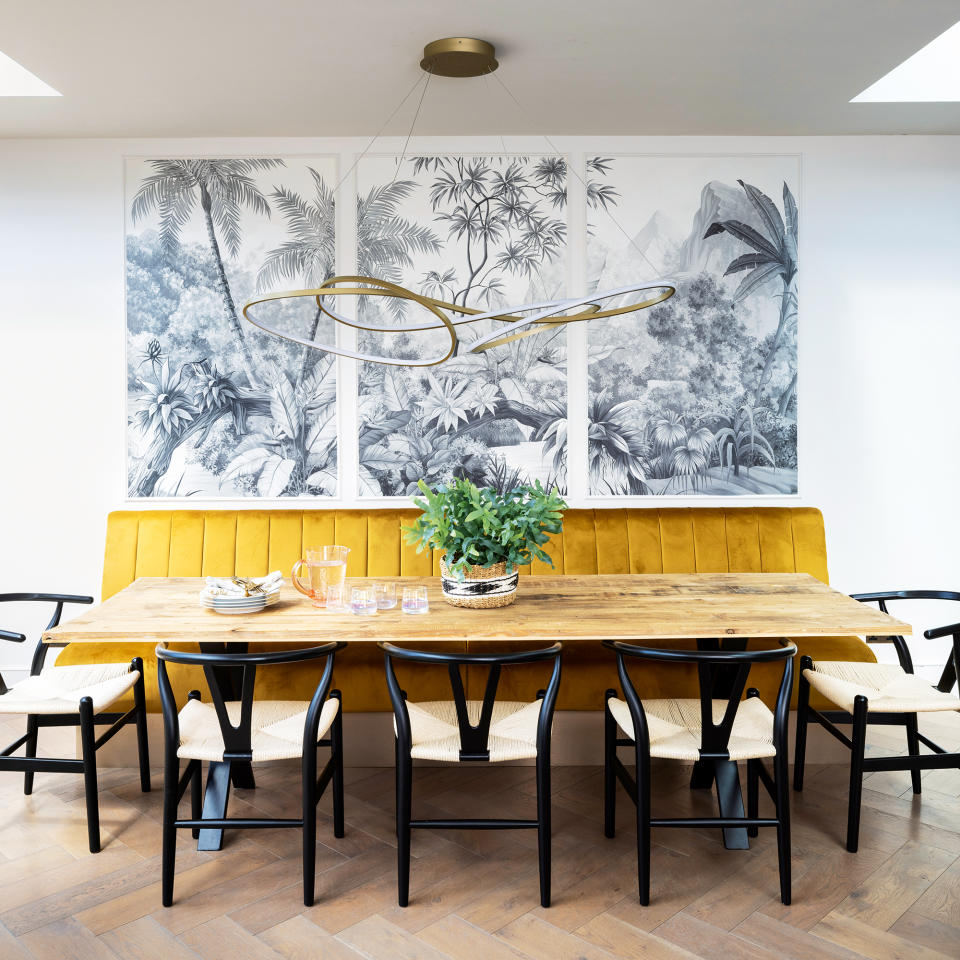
(456, 57)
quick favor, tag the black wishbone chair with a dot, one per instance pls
(249, 731)
(713, 729)
(73, 696)
(484, 731)
(883, 694)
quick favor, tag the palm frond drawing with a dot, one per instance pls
(773, 256)
(222, 189)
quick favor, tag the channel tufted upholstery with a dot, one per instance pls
(193, 543)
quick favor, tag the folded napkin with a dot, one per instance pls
(226, 587)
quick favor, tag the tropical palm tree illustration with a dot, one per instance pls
(774, 255)
(386, 242)
(309, 255)
(223, 189)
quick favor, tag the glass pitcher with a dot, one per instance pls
(326, 567)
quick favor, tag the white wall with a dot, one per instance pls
(879, 347)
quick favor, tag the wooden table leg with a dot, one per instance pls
(220, 774)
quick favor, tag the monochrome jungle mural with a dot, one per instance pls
(485, 232)
(697, 395)
(216, 408)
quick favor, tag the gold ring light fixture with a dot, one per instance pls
(456, 57)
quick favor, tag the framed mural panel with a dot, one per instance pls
(481, 231)
(696, 396)
(214, 407)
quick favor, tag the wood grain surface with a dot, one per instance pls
(622, 607)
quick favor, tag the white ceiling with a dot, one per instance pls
(166, 68)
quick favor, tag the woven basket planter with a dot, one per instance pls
(481, 587)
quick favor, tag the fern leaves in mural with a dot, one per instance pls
(481, 232)
(216, 408)
(698, 394)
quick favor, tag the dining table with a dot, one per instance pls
(719, 611)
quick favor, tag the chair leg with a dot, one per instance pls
(171, 777)
(753, 795)
(336, 739)
(404, 795)
(33, 727)
(859, 738)
(308, 795)
(543, 823)
(643, 825)
(803, 705)
(609, 776)
(782, 795)
(196, 797)
(89, 753)
(143, 747)
(913, 748)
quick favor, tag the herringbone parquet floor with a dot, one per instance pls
(474, 895)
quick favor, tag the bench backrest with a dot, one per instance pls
(193, 543)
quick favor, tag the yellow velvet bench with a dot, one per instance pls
(161, 543)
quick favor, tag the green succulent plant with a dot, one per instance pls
(481, 526)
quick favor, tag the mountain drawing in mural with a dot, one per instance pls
(698, 395)
(484, 232)
(216, 408)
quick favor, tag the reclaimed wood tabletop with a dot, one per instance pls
(631, 607)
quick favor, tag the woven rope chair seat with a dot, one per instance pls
(276, 728)
(435, 734)
(887, 687)
(674, 727)
(60, 689)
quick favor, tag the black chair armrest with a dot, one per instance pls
(15, 637)
(950, 630)
(49, 597)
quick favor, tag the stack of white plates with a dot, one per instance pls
(226, 604)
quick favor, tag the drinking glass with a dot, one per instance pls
(363, 601)
(335, 596)
(326, 567)
(386, 594)
(415, 600)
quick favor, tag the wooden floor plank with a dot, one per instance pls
(66, 940)
(222, 939)
(377, 937)
(889, 892)
(624, 940)
(932, 934)
(145, 939)
(869, 941)
(299, 939)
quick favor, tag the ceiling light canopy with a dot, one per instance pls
(17, 81)
(459, 57)
(932, 74)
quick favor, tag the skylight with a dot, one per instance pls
(931, 74)
(17, 81)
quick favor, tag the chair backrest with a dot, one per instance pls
(952, 668)
(723, 676)
(473, 737)
(218, 669)
(40, 650)
(224, 543)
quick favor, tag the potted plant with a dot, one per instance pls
(485, 536)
